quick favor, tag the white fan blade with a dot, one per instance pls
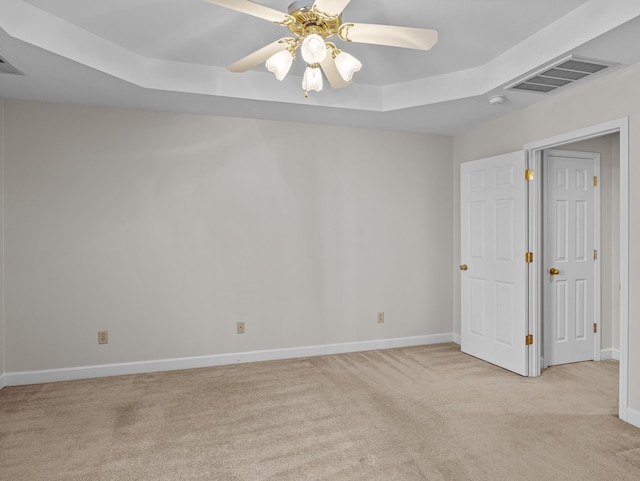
(252, 8)
(259, 56)
(331, 72)
(405, 37)
(331, 7)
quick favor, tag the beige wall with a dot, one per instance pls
(167, 229)
(605, 99)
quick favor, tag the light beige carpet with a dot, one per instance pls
(421, 413)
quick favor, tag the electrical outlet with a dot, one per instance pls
(240, 328)
(103, 337)
(380, 317)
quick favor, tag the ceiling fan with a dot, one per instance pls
(311, 24)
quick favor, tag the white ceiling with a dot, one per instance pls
(170, 55)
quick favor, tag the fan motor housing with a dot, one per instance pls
(310, 20)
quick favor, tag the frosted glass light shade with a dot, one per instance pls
(347, 65)
(280, 63)
(312, 79)
(313, 48)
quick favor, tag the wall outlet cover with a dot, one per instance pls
(103, 337)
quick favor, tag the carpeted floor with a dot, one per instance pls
(420, 413)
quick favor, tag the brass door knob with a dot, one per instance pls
(553, 271)
(464, 267)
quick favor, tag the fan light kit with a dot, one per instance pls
(312, 25)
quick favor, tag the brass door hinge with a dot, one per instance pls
(528, 257)
(595, 254)
(595, 181)
(529, 340)
(595, 327)
(528, 174)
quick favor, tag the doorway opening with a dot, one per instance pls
(619, 268)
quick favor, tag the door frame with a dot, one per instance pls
(597, 245)
(534, 155)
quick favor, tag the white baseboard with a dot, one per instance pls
(633, 417)
(457, 339)
(86, 372)
(611, 353)
(3, 381)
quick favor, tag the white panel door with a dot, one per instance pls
(493, 247)
(569, 295)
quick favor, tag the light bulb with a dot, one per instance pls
(312, 79)
(280, 63)
(347, 65)
(313, 48)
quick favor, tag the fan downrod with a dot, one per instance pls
(309, 19)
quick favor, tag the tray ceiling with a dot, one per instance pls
(171, 55)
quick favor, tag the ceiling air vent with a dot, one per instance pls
(565, 72)
(6, 67)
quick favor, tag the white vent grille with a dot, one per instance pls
(559, 74)
(6, 67)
